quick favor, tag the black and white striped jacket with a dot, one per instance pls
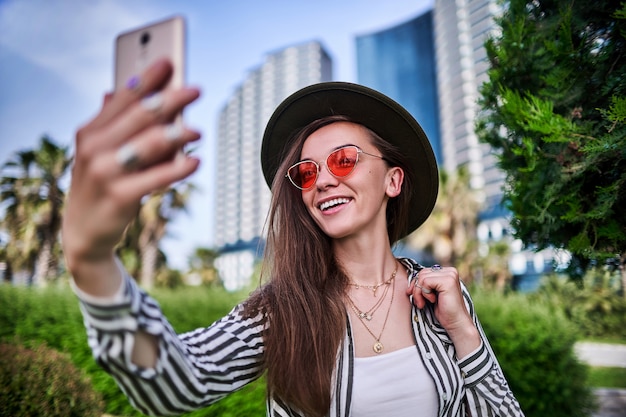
(200, 367)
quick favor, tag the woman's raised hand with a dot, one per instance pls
(441, 287)
(128, 150)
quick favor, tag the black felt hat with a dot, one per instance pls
(370, 108)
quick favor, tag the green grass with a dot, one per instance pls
(606, 339)
(605, 377)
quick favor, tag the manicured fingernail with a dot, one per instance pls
(152, 102)
(180, 157)
(133, 82)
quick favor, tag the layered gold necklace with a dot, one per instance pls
(367, 315)
(375, 288)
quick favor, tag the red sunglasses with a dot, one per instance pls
(340, 163)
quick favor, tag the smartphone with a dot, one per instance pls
(138, 48)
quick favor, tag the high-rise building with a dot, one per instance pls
(242, 197)
(461, 28)
(400, 62)
(434, 65)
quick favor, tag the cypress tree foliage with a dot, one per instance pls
(554, 110)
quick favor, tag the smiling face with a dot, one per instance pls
(353, 205)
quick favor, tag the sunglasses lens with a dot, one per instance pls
(303, 174)
(342, 161)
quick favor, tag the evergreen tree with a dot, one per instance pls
(554, 110)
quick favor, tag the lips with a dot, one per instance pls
(326, 205)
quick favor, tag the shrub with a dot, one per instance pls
(595, 304)
(535, 347)
(43, 382)
(169, 278)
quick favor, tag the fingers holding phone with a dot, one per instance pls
(129, 148)
(158, 97)
(147, 82)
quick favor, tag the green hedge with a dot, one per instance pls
(534, 345)
(51, 316)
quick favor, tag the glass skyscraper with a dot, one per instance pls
(433, 65)
(400, 62)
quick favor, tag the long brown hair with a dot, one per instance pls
(304, 299)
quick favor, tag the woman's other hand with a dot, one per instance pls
(441, 287)
(128, 150)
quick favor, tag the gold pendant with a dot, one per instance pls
(378, 347)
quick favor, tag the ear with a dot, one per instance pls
(395, 177)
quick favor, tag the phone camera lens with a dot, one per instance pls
(145, 38)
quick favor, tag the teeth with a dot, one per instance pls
(331, 203)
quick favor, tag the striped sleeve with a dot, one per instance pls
(486, 389)
(193, 369)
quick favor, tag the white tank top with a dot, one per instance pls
(393, 384)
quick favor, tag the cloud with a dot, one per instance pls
(73, 38)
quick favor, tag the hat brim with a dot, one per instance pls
(376, 111)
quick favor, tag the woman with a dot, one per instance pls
(342, 327)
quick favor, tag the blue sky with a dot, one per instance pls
(56, 61)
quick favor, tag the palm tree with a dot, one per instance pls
(33, 200)
(128, 248)
(5, 268)
(492, 268)
(52, 162)
(202, 265)
(449, 233)
(19, 200)
(155, 213)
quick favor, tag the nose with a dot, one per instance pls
(324, 178)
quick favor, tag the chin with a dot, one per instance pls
(335, 233)
(335, 229)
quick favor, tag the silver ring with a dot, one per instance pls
(127, 157)
(153, 102)
(435, 267)
(424, 290)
